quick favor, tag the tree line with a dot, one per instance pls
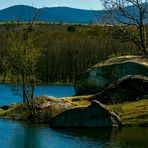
(62, 53)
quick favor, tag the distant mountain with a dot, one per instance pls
(17, 13)
(24, 13)
(51, 14)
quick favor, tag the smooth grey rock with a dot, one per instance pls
(95, 115)
(104, 73)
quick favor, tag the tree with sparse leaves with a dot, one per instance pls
(22, 61)
(132, 19)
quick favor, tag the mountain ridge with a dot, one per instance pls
(64, 14)
(49, 14)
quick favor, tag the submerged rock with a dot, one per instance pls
(128, 88)
(95, 115)
(104, 73)
(6, 107)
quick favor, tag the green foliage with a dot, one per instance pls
(21, 61)
(22, 55)
(61, 55)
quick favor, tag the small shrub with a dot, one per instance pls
(71, 28)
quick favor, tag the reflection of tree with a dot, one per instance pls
(30, 137)
(21, 135)
(12, 134)
(92, 136)
(130, 137)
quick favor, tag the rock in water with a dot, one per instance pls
(104, 73)
(128, 88)
(6, 107)
(95, 115)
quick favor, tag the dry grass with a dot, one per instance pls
(78, 100)
(132, 113)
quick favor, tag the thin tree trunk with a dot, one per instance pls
(24, 87)
(4, 78)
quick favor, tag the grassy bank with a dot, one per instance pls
(132, 113)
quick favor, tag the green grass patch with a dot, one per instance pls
(132, 113)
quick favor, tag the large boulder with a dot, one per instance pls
(128, 88)
(95, 115)
(104, 73)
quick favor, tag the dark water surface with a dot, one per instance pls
(25, 135)
(14, 134)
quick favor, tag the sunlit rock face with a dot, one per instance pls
(95, 115)
(104, 73)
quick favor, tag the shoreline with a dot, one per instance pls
(132, 114)
(46, 84)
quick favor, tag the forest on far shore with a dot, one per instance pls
(65, 50)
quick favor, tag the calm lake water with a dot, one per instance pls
(14, 134)
(9, 95)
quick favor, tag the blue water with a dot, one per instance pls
(8, 93)
(16, 134)
(26, 135)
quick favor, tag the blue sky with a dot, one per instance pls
(83, 4)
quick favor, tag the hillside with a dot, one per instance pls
(62, 14)
(52, 14)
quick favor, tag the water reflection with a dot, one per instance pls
(87, 137)
(30, 137)
(130, 137)
(27, 135)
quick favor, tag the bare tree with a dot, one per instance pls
(132, 15)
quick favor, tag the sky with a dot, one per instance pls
(82, 4)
